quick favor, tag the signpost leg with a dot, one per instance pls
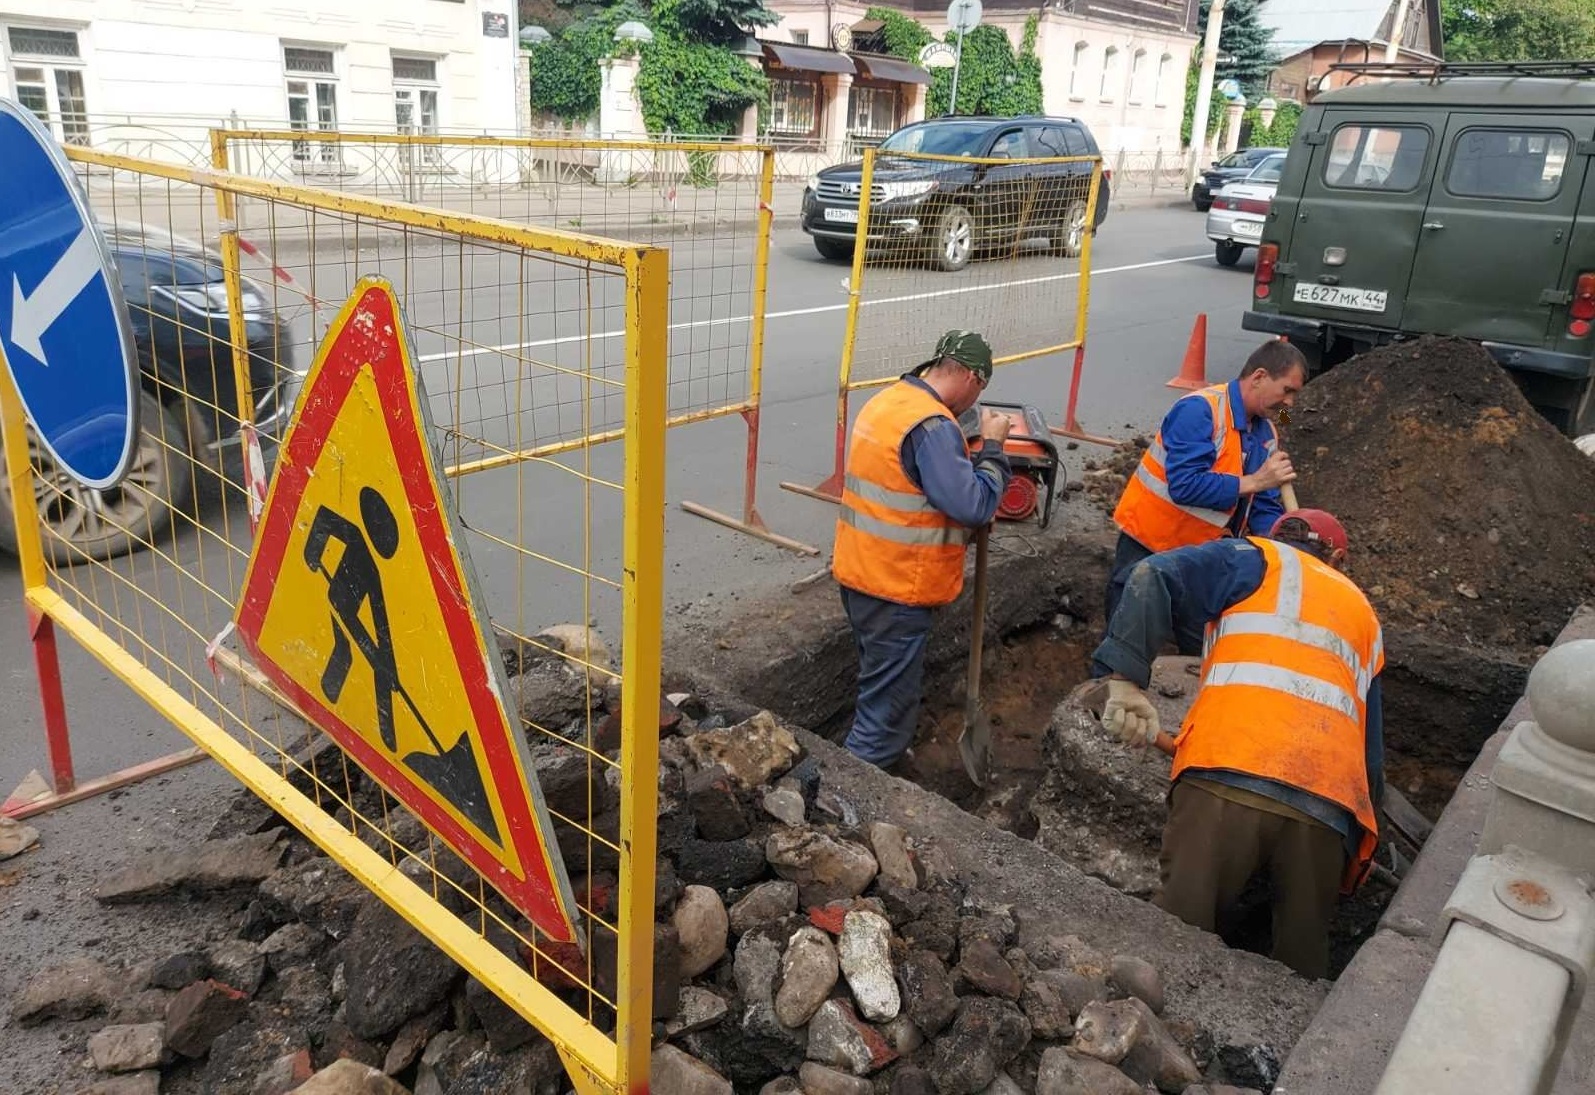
(958, 63)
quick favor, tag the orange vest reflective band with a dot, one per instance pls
(1151, 517)
(890, 541)
(1285, 678)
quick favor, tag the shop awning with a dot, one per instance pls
(877, 67)
(808, 58)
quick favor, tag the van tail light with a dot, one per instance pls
(1253, 205)
(1263, 277)
(1582, 311)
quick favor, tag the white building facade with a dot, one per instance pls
(100, 70)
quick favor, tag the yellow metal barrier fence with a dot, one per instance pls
(564, 423)
(709, 203)
(1007, 254)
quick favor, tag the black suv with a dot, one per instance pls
(177, 302)
(944, 211)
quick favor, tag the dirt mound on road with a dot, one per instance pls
(1471, 518)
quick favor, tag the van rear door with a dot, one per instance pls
(1496, 230)
(1360, 211)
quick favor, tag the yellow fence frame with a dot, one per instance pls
(595, 1061)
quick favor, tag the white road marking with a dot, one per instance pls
(726, 321)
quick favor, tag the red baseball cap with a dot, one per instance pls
(1322, 525)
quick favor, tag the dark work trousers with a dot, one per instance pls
(1211, 849)
(891, 642)
(1126, 554)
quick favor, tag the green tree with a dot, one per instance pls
(688, 86)
(565, 77)
(993, 79)
(1518, 30)
(1247, 43)
(904, 37)
(722, 22)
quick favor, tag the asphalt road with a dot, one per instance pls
(1154, 272)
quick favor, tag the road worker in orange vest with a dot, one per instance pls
(1214, 469)
(1280, 761)
(912, 497)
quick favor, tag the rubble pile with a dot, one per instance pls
(1104, 480)
(799, 949)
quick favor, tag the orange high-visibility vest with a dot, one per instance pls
(1285, 678)
(1147, 513)
(890, 541)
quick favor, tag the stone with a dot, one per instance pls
(180, 970)
(902, 906)
(713, 798)
(211, 867)
(890, 845)
(840, 1039)
(1255, 1065)
(764, 903)
(584, 644)
(816, 1079)
(928, 992)
(475, 1069)
(1062, 1073)
(445, 1060)
(983, 968)
(201, 1012)
(721, 866)
(317, 891)
(292, 945)
(148, 1006)
(348, 1077)
(912, 1080)
(1107, 1032)
(571, 783)
(1046, 1001)
(235, 1063)
(505, 1029)
(985, 1035)
(697, 1009)
(284, 1075)
(903, 1035)
(996, 926)
(75, 990)
(304, 994)
(809, 970)
(394, 973)
(752, 752)
(15, 837)
(782, 1085)
(128, 1048)
(702, 924)
(671, 1070)
(1073, 953)
(865, 950)
(825, 869)
(412, 1039)
(337, 1041)
(1139, 978)
(667, 970)
(1156, 1057)
(758, 1045)
(1220, 1089)
(134, 1083)
(237, 964)
(550, 694)
(1004, 1084)
(785, 804)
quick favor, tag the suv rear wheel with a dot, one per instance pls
(1228, 252)
(835, 250)
(953, 243)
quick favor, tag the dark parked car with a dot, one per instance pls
(1235, 166)
(177, 302)
(943, 211)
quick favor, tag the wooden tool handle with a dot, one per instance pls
(1287, 495)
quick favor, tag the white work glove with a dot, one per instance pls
(1129, 715)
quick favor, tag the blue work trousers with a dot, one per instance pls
(891, 641)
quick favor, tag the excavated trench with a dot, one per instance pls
(1066, 784)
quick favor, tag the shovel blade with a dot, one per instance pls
(974, 747)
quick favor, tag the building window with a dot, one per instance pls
(1110, 73)
(800, 37)
(312, 80)
(871, 111)
(1160, 89)
(415, 100)
(1137, 77)
(47, 73)
(1076, 82)
(794, 107)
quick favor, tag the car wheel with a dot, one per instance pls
(1228, 252)
(834, 250)
(954, 239)
(101, 524)
(1070, 239)
(1202, 206)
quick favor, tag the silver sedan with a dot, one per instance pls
(1235, 221)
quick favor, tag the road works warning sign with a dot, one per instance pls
(360, 603)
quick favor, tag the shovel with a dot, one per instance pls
(974, 744)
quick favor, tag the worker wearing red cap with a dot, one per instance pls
(1279, 763)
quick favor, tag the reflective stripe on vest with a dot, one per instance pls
(1148, 513)
(890, 541)
(1285, 680)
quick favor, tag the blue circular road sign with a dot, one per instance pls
(64, 328)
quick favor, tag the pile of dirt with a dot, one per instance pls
(1104, 479)
(1471, 518)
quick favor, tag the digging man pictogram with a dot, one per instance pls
(355, 582)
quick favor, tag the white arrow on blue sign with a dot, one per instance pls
(64, 329)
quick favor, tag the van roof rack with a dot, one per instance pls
(1435, 71)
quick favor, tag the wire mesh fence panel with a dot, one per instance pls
(702, 200)
(993, 245)
(537, 359)
(1148, 174)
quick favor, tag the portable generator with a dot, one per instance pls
(1032, 455)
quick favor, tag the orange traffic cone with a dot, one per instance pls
(1193, 370)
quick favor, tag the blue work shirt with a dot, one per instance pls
(1188, 440)
(936, 459)
(1194, 586)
